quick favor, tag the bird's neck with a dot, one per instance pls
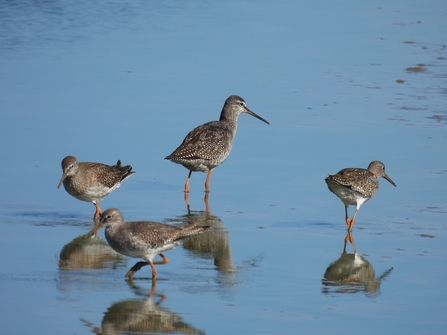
(228, 118)
(112, 229)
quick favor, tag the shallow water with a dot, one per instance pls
(341, 84)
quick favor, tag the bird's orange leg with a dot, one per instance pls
(348, 221)
(186, 196)
(164, 261)
(187, 182)
(351, 224)
(207, 181)
(207, 207)
(98, 211)
(154, 271)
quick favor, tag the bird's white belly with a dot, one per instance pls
(95, 193)
(350, 197)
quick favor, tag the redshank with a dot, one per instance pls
(355, 186)
(92, 181)
(144, 239)
(208, 145)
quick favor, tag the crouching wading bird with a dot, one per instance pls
(92, 182)
(208, 145)
(144, 239)
(355, 186)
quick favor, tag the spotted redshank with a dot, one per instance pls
(208, 145)
(355, 186)
(92, 181)
(143, 239)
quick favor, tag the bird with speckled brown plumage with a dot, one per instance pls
(92, 182)
(208, 145)
(144, 239)
(355, 186)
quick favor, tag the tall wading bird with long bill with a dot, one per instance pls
(208, 145)
(355, 186)
(92, 182)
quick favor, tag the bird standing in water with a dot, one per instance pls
(355, 186)
(144, 239)
(92, 181)
(208, 145)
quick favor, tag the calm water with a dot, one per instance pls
(341, 84)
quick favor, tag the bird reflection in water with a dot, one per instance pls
(142, 315)
(78, 257)
(352, 273)
(88, 253)
(214, 244)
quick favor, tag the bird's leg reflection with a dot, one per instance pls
(152, 292)
(207, 207)
(94, 231)
(207, 181)
(139, 290)
(205, 199)
(186, 196)
(350, 239)
(154, 284)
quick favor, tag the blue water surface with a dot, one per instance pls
(341, 83)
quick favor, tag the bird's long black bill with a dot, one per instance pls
(389, 179)
(62, 179)
(255, 115)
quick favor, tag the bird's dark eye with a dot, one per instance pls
(109, 216)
